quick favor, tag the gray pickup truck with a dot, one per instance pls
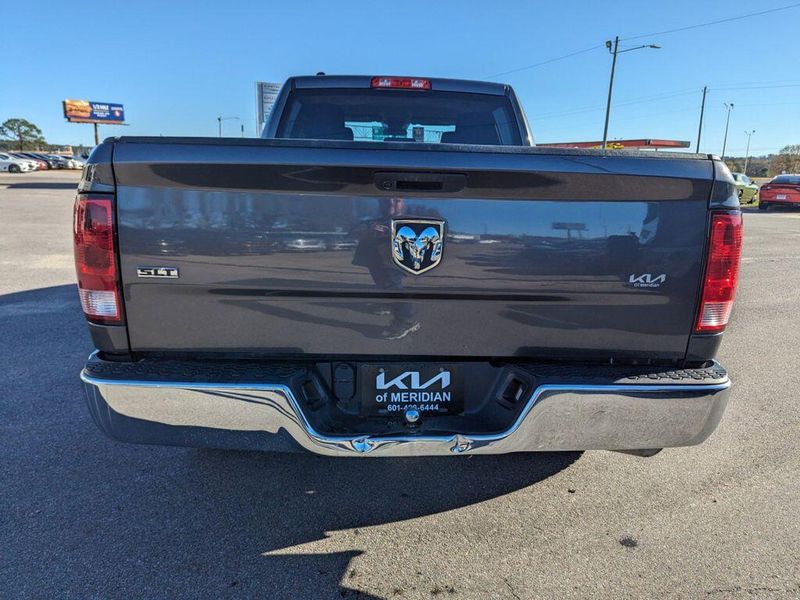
(395, 270)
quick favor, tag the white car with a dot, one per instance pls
(305, 245)
(75, 163)
(15, 165)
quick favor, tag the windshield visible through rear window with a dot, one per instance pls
(375, 115)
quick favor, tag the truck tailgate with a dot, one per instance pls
(285, 247)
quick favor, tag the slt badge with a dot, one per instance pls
(417, 244)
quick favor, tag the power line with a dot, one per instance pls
(661, 96)
(757, 87)
(546, 62)
(624, 120)
(595, 108)
(774, 81)
(665, 96)
(636, 37)
(770, 104)
(717, 22)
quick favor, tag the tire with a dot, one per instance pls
(764, 207)
(12, 168)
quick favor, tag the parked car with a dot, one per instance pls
(747, 190)
(40, 164)
(305, 245)
(12, 164)
(52, 160)
(602, 338)
(51, 164)
(75, 163)
(342, 244)
(783, 190)
(61, 162)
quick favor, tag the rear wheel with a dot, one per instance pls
(763, 206)
(12, 168)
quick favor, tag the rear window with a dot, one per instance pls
(381, 115)
(792, 179)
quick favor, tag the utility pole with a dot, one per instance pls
(727, 122)
(613, 49)
(747, 152)
(610, 86)
(702, 110)
(96, 135)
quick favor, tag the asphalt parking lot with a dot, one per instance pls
(83, 516)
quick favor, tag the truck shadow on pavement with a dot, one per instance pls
(43, 185)
(87, 516)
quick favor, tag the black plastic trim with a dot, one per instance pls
(703, 347)
(111, 339)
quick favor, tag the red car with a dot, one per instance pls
(783, 190)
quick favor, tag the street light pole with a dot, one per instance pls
(220, 119)
(727, 122)
(747, 152)
(613, 49)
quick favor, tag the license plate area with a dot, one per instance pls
(780, 197)
(389, 390)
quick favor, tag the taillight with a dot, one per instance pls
(95, 260)
(405, 83)
(722, 272)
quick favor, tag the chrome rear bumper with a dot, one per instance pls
(268, 417)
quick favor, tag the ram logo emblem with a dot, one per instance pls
(417, 244)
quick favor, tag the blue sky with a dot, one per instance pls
(177, 65)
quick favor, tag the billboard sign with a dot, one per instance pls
(88, 111)
(266, 94)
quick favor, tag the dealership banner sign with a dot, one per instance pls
(88, 111)
(266, 94)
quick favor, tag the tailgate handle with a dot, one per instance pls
(420, 182)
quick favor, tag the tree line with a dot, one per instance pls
(787, 160)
